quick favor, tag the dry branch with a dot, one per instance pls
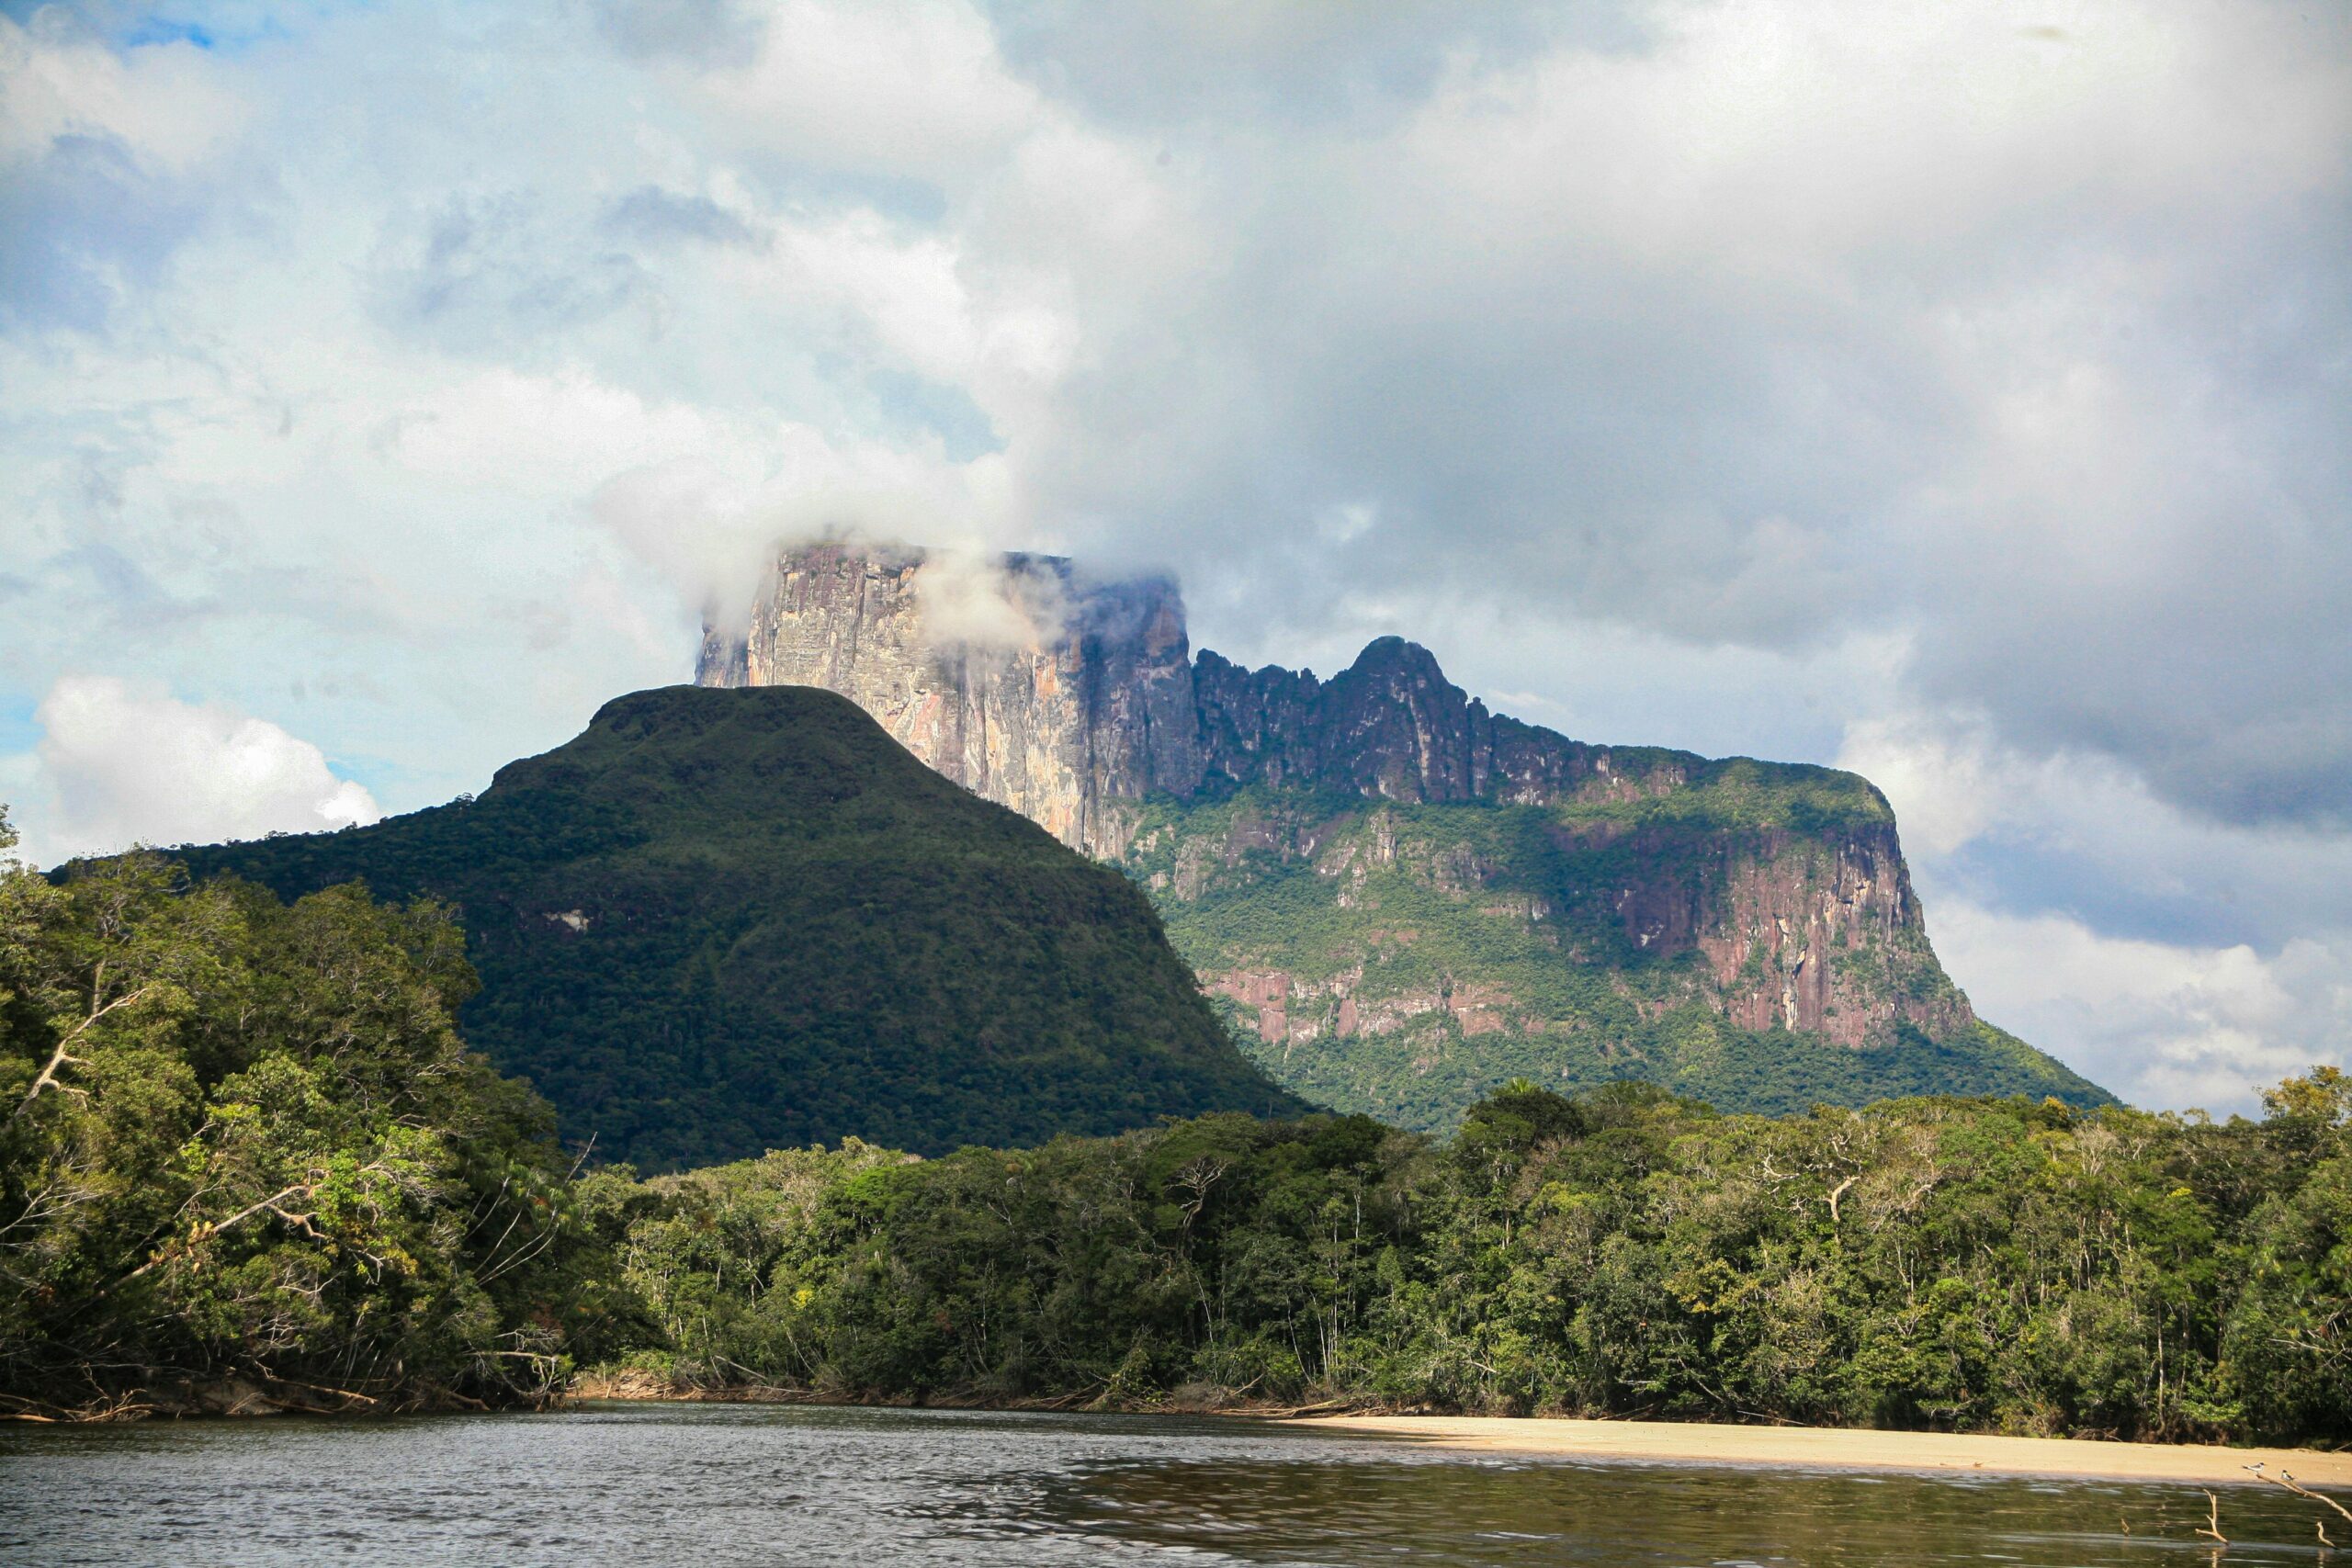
(2211, 1529)
(2287, 1479)
(59, 1059)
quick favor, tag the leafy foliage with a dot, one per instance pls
(1979, 1264)
(242, 1141)
(723, 921)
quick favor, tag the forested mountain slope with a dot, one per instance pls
(724, 921)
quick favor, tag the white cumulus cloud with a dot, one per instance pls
(163, 104)
(2173, 959)
(1960, 386)
(121, 765)
(2159, 1023)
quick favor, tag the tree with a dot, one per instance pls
(245, 1142)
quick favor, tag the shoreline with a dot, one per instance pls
(1845, 1448)
(647, 1388)
(1550, 1437)
(1688, 1442)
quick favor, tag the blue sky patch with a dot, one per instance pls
(19, 731)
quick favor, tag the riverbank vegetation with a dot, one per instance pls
(1955, 1264)
(248, 1163)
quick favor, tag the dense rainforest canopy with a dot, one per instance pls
(1995, 1264)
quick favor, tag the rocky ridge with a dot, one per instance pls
(1083, 699)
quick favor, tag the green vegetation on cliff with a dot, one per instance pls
(1969, 1264)
(1740, 933)
(724, 921)
(246, 1162)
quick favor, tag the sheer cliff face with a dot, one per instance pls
(1067, 701)
(1773, 896)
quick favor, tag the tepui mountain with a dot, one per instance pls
(1401, 899)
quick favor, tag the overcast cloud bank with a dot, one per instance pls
(1955, 391)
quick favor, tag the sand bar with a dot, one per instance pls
(1836, 1448)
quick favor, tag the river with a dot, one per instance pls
(710, 1485)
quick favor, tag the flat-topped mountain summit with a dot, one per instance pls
(720, 923)
(1401, 898)
(1084, 698)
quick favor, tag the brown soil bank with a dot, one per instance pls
(1838, 1448)
(180, 1398)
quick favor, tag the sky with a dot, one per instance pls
(1956, 393)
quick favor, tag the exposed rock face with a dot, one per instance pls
(1065, 700)
(1826, 935)
(1079, 698)
(1774, 895)
(1391, 727)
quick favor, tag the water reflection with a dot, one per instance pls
(1505, 1512)
(717, 1485)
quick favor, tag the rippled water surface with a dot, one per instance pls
(706, 1485)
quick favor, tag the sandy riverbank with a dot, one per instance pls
(1825, 1447)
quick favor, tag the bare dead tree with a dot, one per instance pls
(58, 1059)
(2287, 1479)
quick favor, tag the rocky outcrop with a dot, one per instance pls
(1066, 700)
(1824, 934)
(1391, 726)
